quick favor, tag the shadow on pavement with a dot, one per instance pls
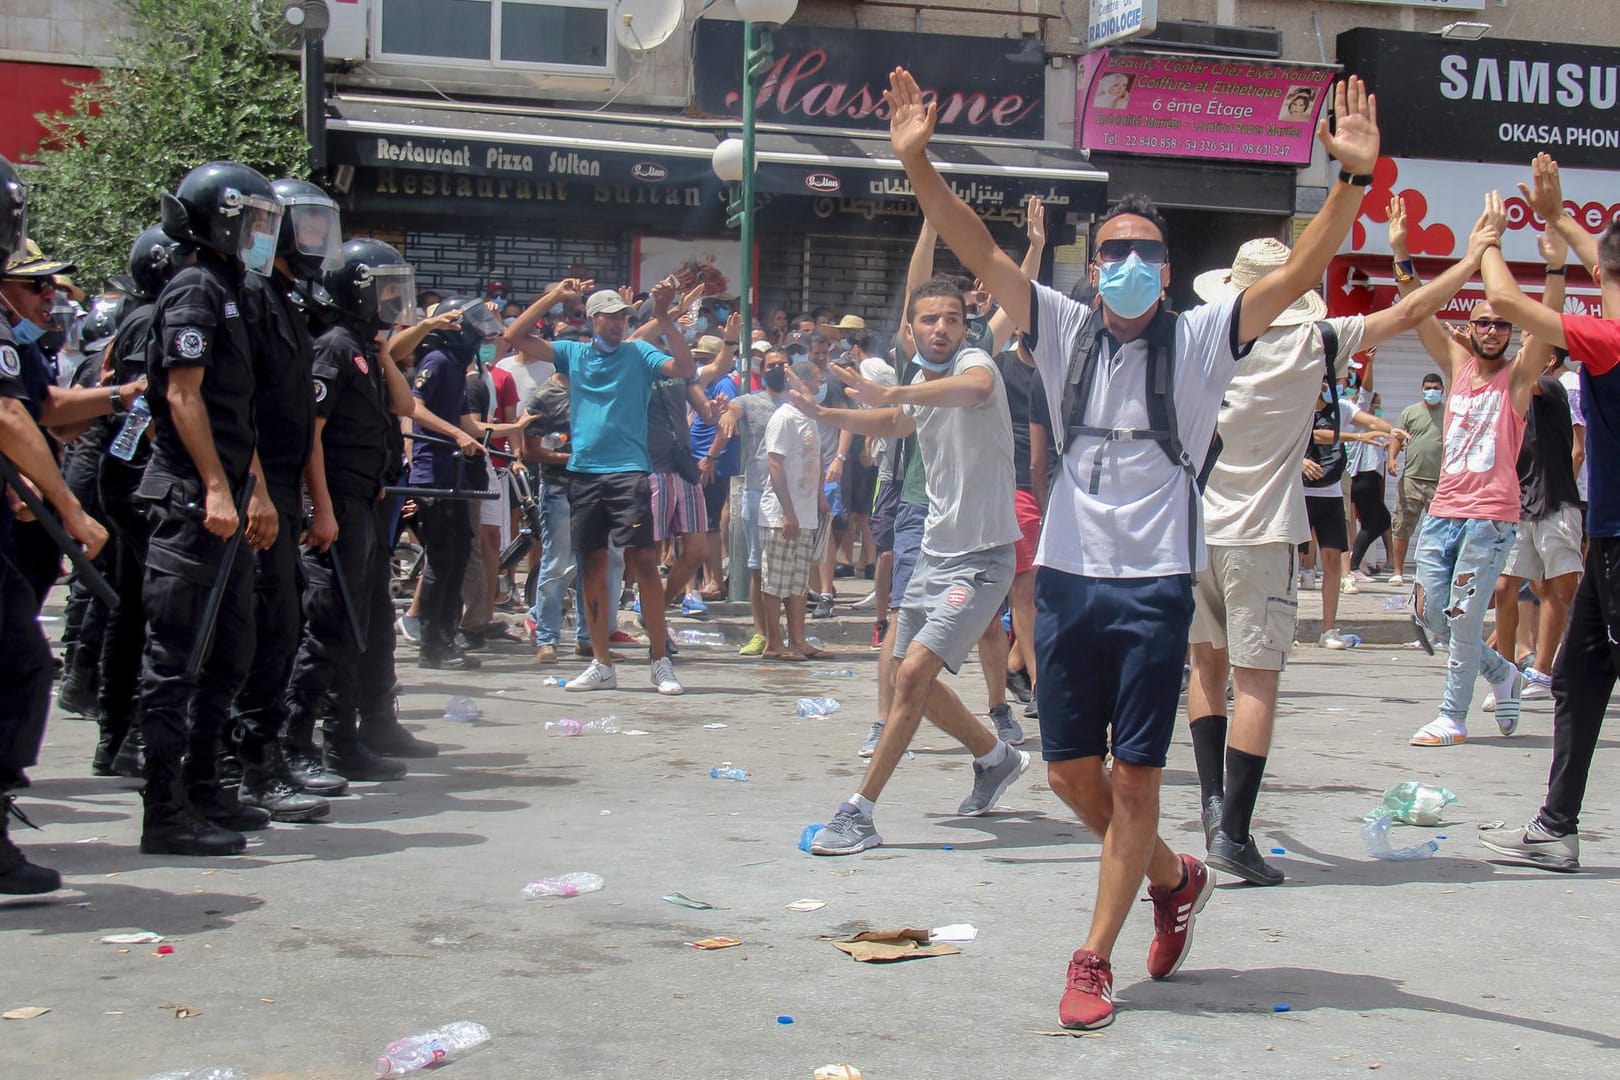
(114, 906)
(1450, 865)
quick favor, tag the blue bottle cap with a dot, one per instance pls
(1283, 1007)
(784, 1019)
(1279, 851)
(947, 847)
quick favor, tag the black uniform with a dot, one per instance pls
(122, 643)
(284, 407)
(31, 548)
(198, 323)
(84, 617)
(442, 524)
(25, 658)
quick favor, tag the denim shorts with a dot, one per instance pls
(908, 537)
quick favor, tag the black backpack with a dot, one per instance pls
(1330, 456)
(1164, 430)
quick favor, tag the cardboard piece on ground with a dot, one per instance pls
(888, 945)
(27, 1012)
(715, 943)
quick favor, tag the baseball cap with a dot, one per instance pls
(605, 302)
(760, 347)
(798, 341)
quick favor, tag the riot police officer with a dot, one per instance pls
(284, 406)
(153, 260)
(25, 658)
(203, 451)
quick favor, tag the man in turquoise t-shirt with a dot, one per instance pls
(610, 386)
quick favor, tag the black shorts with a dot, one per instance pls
(607, 507)
(884, 504)
(1326, 516)
(860, 485)
(715, 494)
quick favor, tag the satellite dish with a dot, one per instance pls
(642, 25)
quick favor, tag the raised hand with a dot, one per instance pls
(662, 294)
(1355, 143)
(871, 394)
(911, 123)
(1035, 222)
(1495, 215)
(1487, 231)
(1546, 191)
(1397, 227)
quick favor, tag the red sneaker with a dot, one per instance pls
(620, 637)
(1088, 1000)
(1174, 911)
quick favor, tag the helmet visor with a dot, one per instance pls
(257, 232)
(396, 294)
(316, 232)
(13, 216)
(482, 319)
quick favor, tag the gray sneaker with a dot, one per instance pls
(1535, 846)
(1007, 729)
(989, 784)
(1241, 859)
(869, 747)
(1214, 806)
(849, 831)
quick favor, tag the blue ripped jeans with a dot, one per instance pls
(1458, 560)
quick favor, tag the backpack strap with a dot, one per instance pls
(1081, 375)
(1330, 350)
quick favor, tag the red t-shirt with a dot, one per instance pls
(506, 403)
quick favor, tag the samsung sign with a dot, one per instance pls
(1118, 20)
(1489, 100)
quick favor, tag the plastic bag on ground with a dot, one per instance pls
(1414, 803)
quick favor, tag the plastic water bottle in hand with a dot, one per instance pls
(447, 1043)
(575, 884)
(817, 706)
(128, 439)
(461, 710)
(728, 771)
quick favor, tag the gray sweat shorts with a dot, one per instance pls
(950, 601)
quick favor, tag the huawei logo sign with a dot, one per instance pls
(822, 183)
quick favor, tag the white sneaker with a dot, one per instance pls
(1396, 580)
(1308, 580)
(663, 677)
(866, 603)
(1348, 586)
(598, 676)
(1537, 687)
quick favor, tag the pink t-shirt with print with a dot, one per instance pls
(1479, 472)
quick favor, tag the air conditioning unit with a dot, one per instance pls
(1189, 35)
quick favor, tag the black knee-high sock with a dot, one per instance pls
(1243, 774)
(1209, 751)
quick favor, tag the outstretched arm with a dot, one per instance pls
(1436, 341)
(1417, 307)
(1001, 324)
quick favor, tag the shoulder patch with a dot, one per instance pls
(230, 309)
(10, 362)
(421, 380)
(360, 362)
(190, 343)
(320, 391)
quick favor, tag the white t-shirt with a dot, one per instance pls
(878, 369)
(967, 457)
(1255, 487)
(529, 375)
(793, 435)
(1137, 524)
(1571, 382)
(1347, 413)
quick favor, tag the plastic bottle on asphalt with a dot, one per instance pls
(700, 637)
(835, 673)
(728, 771)
(461, 710)
(808, 835)
(1399, 602)
(128, 439)
(606, 725)
(205, 1072)
(1350, 640)
(816, 706)
(442, 1044)
(566, 726)
(574, 884)
(1375, 835)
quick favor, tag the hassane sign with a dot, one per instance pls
(1490, 100)
(1120, 20)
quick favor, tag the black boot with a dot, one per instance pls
(348, 755)
(382, 733)
(217, 803)
(170, 825)
(267, 785)
(305, 768)
(114, 730)
(18, 876)
(131, 758)
(79, 689)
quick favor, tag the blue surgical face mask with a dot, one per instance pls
(260, 254)
(486, 351)
(1130, 287)
(821, 393)
(700, 325)
(1433, 397)
(1378, 412)
(928, 365)
(721, 313)
(557, 309)
(27, 332)
(602, 346)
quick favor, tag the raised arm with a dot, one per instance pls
(1510, 301)
(402, 344)
(1355, 146)
(1001, 325)
(1416, 308)
(1546, 197)
(911, 125)
(1436, 341)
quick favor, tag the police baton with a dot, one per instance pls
(92, 578)
(344, 595)
(210, 616)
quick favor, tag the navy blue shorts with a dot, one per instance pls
(908, 538)
(1110, 652)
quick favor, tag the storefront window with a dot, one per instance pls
(500, 33)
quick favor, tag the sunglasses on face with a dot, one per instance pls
(39, 284)
(1149, 251)
(1501, 326)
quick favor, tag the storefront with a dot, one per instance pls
(525, 195)
(1471, 116)
(1216, 143)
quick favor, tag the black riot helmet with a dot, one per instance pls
(153, 259)
(310, 239)
(99, 326)
(13, 212)
(478, 324)
(227, 208)
(372, 283)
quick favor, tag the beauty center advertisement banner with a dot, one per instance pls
(1199, 107)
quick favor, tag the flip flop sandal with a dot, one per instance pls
(1507, 709)
(818, 654)
(786, 658)
(1435, 733)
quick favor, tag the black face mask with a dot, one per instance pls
(776, 380)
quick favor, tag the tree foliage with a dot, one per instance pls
(197, 81)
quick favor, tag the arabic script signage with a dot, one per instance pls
(828, 77)
(1199, 107)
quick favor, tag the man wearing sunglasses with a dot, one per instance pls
(1113, 591)
(1468, 534)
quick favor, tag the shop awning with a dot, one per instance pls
(519, 143)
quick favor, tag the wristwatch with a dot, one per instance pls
(116, 397)
(1355, 179)
(1556, 271)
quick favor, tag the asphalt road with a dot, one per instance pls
(305, 956)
